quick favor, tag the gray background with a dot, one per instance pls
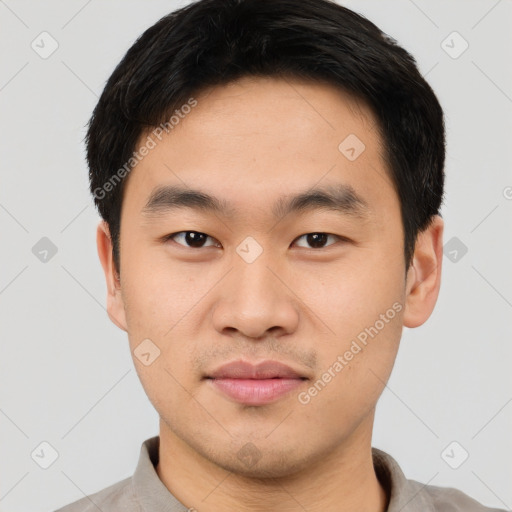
(66, 373)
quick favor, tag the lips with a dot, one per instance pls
(255, 384)
(263, 370)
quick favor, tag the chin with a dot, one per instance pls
(255, 464)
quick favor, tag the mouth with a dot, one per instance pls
(255, 384)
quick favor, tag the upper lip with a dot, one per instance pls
(263, 370)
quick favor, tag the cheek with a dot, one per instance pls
(363, 308)
(351, 295)
(352, 377)
(156, 294)
(159, 303)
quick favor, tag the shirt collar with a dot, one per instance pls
(404, 495)
(149, 489)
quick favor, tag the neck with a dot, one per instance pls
(344, 481)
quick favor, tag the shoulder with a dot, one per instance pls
(412, 496)
(118, 496)
(448, 499)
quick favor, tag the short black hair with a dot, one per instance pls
(215, 42)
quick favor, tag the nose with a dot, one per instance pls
(256, 301)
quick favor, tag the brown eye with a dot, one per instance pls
(192, 239)
(316, 240)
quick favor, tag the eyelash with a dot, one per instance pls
(173, 235)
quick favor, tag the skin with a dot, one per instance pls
(249, 143)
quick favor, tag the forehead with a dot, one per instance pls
(282, 109)
(258, 137)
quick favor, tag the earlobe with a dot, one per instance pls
(115, 304)
(424, 275)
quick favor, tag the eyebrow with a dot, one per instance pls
(341, 198)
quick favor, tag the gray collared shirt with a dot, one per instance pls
(145, 492)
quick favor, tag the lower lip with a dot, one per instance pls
(256, 391)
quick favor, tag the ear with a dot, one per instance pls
(424, 275)
(115, 304)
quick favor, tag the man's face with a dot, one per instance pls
(304, 286)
